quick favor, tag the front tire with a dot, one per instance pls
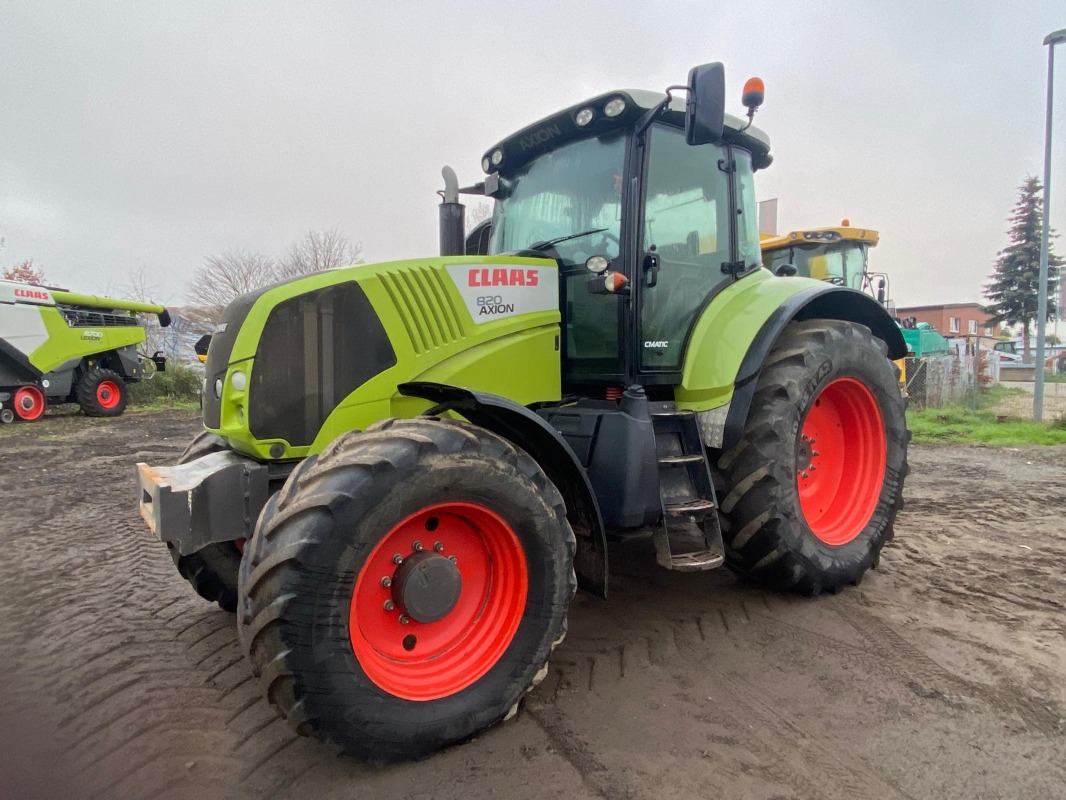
(102, 393)
(811, 492)
(362, 631)
(212, 571)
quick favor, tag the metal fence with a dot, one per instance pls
(937, 381)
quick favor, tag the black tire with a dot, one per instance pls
(102, 393)
(317, 535)
(767, 535)
(212, 571)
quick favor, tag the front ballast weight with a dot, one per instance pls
(216, 498)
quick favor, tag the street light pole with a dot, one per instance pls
(1050, 40)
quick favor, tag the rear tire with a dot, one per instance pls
(101, 393)
(827, 397)
(323, 629)
(212, 571)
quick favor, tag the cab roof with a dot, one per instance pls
(561, 128)
(813, 236)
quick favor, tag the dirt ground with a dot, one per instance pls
(942, 676)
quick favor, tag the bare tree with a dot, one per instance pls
(25, 273)
(142, 286)
(224, 278)
(316, 251)
(475, 215)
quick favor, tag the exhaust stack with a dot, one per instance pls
(452, 217)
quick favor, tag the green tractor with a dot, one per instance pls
(407, 468)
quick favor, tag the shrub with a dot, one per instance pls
(178, 384)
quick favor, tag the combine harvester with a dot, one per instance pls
(408, 467)
(61, 347)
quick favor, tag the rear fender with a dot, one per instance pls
(734, 334)
(824, 302)
(546, 446)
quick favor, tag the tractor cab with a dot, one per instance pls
(646, 223)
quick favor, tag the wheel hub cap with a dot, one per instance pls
(840, 461)
(427, 586)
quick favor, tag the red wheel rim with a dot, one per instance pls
(108, 394)
(840, 461)
(29, 403)
(429, 660)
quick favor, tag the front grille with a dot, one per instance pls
(421, 298)
(87, 318)
(315, 350)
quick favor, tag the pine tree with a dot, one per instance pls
(1013, 292)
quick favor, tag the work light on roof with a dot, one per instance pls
(497, 157)
(584, 117)
(485, 164)
(614, 107)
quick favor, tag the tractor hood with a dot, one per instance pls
(301, 361)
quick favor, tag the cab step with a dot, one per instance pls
(689, 538)
(677, 461)
(694, 561)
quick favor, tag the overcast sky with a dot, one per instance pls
(153, 134)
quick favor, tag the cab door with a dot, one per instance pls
(698, 232)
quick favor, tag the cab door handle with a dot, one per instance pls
(651, 269)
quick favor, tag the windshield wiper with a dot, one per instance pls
(557, 240)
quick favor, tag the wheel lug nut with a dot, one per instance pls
(813, 467)
(815, 453)
(389, 605)
(417, 546)
(397, 559)
(404, 619)
(386, 581)
(453, 559)
(438, 547)
(804, 473)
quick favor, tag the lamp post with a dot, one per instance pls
(1050, 40)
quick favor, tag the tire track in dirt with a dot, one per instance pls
(793, 754)
(149, 696)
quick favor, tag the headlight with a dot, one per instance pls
(218, 388)
(597, 264)
(239, 381)
(584, 117)
(497, 157)
(614, 107)
(485, 164)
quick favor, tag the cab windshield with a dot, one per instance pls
(840, 264)
(575, 191)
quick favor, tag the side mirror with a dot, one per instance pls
(705, 110)
(785, 271)
(881, 291)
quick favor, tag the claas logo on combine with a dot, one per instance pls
(32, 294)
(502, 277)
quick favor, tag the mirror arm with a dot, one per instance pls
(652, 114)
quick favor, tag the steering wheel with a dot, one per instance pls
(601, 248)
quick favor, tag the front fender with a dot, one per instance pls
(546, 446)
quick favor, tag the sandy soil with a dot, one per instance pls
(942, 676)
